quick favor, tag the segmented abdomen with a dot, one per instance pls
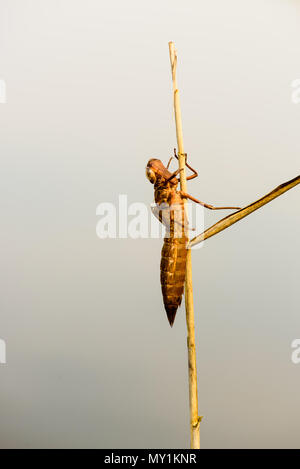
(172, 274)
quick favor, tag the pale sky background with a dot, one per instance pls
(91, 359)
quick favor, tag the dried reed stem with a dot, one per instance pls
(189, 303)
(244, 212)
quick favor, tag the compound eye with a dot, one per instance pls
(150, 174)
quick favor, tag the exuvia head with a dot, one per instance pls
(156, 170)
